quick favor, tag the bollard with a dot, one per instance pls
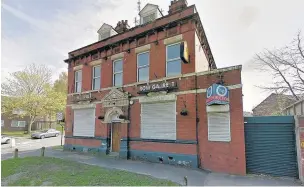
(12, 143)
(42, 151)
(186, 180)
(16, 153)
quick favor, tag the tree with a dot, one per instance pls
(286, 65)
(30, 90)
(61, 84)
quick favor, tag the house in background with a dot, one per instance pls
(274, 104)
(14, 122)
(296, 108)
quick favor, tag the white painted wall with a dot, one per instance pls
(201, 62)
(149, 9)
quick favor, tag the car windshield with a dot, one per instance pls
(44, 131)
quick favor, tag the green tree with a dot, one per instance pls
(30, 91)
(61, 84)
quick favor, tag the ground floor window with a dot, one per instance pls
(16, 123)
(219, 126)
(84, 122)
(158, 120)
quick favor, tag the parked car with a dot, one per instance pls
(5, 139)
(46, 133)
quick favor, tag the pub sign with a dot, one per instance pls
(156, 87)
(217, 95)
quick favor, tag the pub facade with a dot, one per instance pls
(153, 92)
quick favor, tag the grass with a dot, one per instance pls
(39, 171)
(59, 127)
(15, 133)
(57, 147)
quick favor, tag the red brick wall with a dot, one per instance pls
(83, 142)
(226, 157)
(164, 147)
(186, 125)
(157, 61)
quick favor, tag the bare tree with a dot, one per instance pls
(286, 65)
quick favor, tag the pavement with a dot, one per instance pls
(196, 177)
(26, 144)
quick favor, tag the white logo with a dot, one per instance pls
(221, 90)
(209, 91)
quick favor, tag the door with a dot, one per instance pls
(115, 137)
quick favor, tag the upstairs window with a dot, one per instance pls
(173, 61)
(117, 72)
(143, 66)
(149, 18)
(78, 78)
(96, 78)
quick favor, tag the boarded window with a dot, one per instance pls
(158, 120)
(219, 126)
(84, 122)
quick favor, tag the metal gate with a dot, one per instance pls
(271, 146)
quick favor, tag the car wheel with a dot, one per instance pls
(8, 141)
(41, 137)
(56, 135)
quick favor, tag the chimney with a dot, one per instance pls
(177, 5)
(122, 26)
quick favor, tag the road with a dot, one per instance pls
(27, 144)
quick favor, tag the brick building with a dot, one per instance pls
(141, 93)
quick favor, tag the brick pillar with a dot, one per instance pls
(299, 123)
(123, 153)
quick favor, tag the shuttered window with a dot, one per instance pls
(158, 120)
(84, 122)
(219, 126)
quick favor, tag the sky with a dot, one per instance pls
(44, 31)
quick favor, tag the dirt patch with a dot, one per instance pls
(12, 178)
(46, 183)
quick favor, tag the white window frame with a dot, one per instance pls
(140, 67)
(18, 123)
(120, 72)
(77, 81)
(172, 59)
(98, 77)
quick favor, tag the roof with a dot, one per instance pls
(149, 4)
(105, 24)
(274, 103)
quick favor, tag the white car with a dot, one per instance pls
(5, 139)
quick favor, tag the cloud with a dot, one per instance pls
(49, 42)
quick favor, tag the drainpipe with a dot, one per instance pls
(197, 121)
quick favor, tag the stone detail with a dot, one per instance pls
(115, 98)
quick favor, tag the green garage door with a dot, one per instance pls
(270, 146)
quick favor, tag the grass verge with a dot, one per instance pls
(57, 147)
(41, 171)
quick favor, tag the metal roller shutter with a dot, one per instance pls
(158, 120)
(84, 122)
(219, 126)
(271, 146)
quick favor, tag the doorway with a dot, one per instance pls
(115, 137)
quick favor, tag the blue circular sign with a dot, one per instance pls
(221, 90)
